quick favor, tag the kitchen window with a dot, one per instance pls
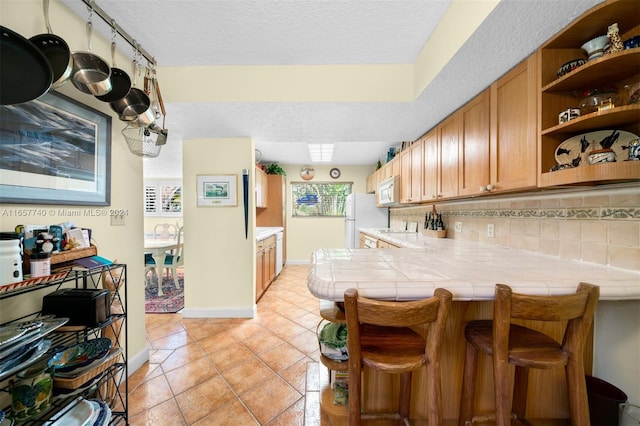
(163, 198)
(319, 199)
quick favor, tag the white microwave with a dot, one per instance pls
(389, 191)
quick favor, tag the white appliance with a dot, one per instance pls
(389, 191)
(278, 253)
(361, 212)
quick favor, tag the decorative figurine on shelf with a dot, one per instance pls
(615, 43)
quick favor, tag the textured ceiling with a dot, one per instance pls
(271, 32)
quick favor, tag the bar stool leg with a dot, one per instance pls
(405, 395)
(577, 388)
(502, 392)
(468, 385)
(521, 385)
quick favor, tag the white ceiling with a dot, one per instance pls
(267, 32)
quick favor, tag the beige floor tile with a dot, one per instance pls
(201, 331)
(165, 414)
(281, 356)
(269, 399)
(296, 374)
(216, 342)
(203, 399)
(293, 416)
(189, 375)
(248, 375)
(149, 394)
(263, 341)
(182, 356)
(232, 414)
(230, 356)
(172, 341)
(306, 342)
(164, 330)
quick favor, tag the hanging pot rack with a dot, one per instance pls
(118, 29)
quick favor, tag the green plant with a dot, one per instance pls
(275, 169)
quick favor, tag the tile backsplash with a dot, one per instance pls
(600, 225)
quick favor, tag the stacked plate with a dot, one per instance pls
(22, 344)
(83, 412)
(79, 358)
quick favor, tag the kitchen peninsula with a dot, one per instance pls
(470, 271)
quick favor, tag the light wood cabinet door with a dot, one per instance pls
(395, 166)
(261, 188)
(270, 264)
(430, 166)
(411, 173)
(448, 140)
(259, 274)
(473, 163)
(513, 128)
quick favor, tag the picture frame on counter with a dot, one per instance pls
(55, 150)
(217, 190)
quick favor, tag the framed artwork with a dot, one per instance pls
(55, 150)
(217, 190)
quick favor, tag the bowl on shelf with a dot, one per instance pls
(596, 46)
(606, 155)
(598, 99)
(632, 42)
(570, 66)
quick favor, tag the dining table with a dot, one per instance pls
(158, 247)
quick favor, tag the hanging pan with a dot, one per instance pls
(135, 105)
(120, 81)
(56, 50)
(90, 72)
(25, 73)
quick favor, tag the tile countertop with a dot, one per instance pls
(468, 269)
(262, 233)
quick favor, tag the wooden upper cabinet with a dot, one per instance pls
(473, 157)
(430, 166)
(261, 188)
(275, 213)
(513, 128)
(411, 173)
(448, 140)
(395, 166)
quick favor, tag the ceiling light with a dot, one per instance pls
(320, 152)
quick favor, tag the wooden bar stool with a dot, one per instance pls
(525, 348)
(379, 337)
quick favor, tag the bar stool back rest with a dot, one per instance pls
(379, 336)
(525, 348)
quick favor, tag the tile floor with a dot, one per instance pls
(260, 371)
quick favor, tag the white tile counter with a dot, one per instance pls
(468, 269)
(262, 232)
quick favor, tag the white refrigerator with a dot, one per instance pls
(361, 212)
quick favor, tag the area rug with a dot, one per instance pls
(170, 302)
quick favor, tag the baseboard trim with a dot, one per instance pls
(136, 361)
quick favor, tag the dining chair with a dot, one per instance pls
(173, 260)
(381, 336)
(525, 348)
(165, 231)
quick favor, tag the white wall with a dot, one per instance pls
(219, 265)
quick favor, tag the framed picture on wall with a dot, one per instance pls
(54, 150)
(217, 190)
